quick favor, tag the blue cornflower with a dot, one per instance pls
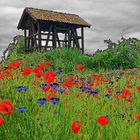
(88, 82)
(108, 96)
(89, 88)
(59, 72)
(83, 88)
(61, 90)
(54, 85)
(42, 101)
(43, 86)
(24, 88)
(54, 100)
(21, 109)
(20, 88)
(96, 91)
(82, 79)
(118, 93)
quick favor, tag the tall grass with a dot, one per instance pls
(53, 122)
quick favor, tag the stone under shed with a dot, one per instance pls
(45, 27)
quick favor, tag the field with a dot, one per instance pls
(50, 99)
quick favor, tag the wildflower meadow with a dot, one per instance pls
(43, 98)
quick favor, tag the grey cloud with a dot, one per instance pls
(109, 19)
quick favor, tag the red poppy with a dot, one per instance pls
(98, 79)
(138, 88)
(1, 120)
(14, 65)
(79, 67)
(48, 63)
(1, 77)
(42, 65)
(126, 93)
(46, 89)
(103, 121)
(109, 91)
(50, 76)
(37, 70)
(138, 116)
(68, 83)
(76, 127)
(27, 71)
(130, 99)
(6, 107)
(38, 75)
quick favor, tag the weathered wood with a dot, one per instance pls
(47, 40)
(25, 40)
(28, 40)
(54, 36)
(75, 38)
(34, 35)
(39, 35)
(57, 38)
(69, 34)
(82, 39)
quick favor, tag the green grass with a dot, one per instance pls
(41, 123)
(57, 126)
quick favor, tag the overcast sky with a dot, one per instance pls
(109, 18)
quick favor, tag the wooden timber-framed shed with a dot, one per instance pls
(38, 23)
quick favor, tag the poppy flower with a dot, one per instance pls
(138, 88)
(76, 127)
(68, 83)
(26, 71)
(38, 75)
(126, 93)
(15, 65)
(79, 67)
(50, 76)
(1, 120)
(48, 63)
(138, 116)
(41, 66)
(103, 121)
(130, 99)
(6, 107)
(37, 70)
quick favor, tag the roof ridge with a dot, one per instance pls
(51, 11)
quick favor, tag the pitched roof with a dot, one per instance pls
(47, 15)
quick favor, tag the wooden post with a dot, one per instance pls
(65, 38)
(48, 36)
(28, 40)
(39, 36)
(69, 38)
(25, 42)
(82, 39)
(54, 37)
(58, 39)
(75, 38)
(34, 36)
